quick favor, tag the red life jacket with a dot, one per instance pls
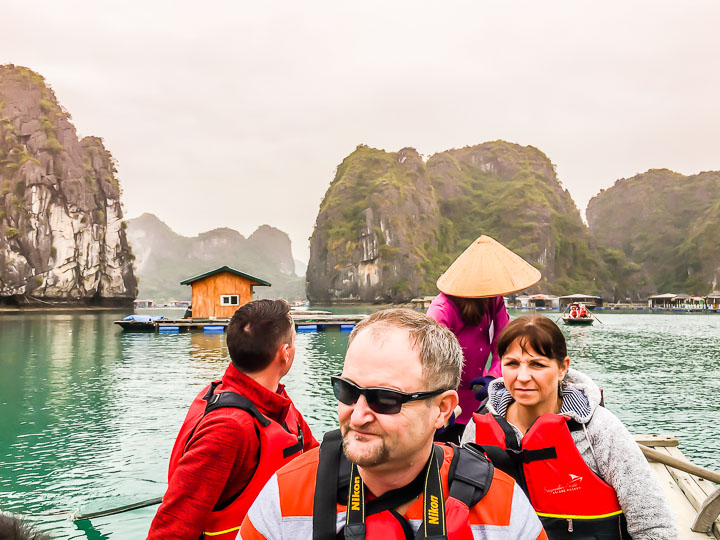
(279, 443)
(570, 498)
(443, 516)
(389, 525)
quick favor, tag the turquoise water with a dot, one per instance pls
(88, 414)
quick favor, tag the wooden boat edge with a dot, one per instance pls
(685, 492)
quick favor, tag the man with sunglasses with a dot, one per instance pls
(238, 431)
(380, 476)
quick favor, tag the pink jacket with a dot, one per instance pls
(477, 343)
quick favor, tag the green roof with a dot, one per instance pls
(257, 281)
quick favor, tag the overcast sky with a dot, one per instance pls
(236, 113)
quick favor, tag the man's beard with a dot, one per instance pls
(370, 455)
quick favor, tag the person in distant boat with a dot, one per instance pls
(471, 305)
(582, 312)
(583, 472)
(574, 311)
(238, 432)
(380, 476)
(14, 528)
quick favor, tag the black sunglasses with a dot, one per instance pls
(380, 400)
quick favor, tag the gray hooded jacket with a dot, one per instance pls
(608, 449)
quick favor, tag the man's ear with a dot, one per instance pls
(284, 353)
(446, 402)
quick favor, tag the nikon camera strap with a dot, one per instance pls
(433, 525)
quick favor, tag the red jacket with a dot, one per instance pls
(220, 460)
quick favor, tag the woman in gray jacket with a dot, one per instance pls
(543, 423)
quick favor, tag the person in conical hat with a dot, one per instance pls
(471, 304)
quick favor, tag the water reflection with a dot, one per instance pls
(89, 414)
(91, 533)
(659, 373)
(209, 348)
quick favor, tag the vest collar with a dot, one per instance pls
(274, 405)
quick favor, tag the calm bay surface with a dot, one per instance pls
(89, 414)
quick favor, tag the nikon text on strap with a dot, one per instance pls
(433, 525)
(469, 477)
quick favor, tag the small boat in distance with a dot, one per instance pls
(576, 314)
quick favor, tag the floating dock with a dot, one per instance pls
(306, 321)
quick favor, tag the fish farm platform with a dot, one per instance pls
(304, 322)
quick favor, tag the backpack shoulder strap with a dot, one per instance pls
(470, 475)
(326, 480)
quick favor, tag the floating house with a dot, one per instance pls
(143, 303)
(676, 302)
(218, 293)
(537, 301)
(178, 303)
(590, 301)
(422, 302)
(712, 301)
(689, 302)
(661, 301)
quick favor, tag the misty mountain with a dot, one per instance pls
(163, 258)
(666, 225)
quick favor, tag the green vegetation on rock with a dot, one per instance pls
(390, 224)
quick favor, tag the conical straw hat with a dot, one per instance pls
(487, 268)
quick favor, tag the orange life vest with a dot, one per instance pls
(443, 516)
(279, 443)
(313, 501)
(570, 498)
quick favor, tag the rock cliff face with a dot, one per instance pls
(511, 192)
(667, 226)
(376, 221)
(62, 238)
(390, 224)
(165, 258)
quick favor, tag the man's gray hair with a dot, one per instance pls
(440, 353)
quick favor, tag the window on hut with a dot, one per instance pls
(229, 300)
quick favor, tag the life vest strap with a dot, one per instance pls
(297, 447)
(511, 442)
(529, 456)
(236, 401)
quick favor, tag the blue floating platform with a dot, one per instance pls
(213, 329)
(307, 327)
(169, 329)
(346, 327)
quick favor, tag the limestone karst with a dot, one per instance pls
(62, 236)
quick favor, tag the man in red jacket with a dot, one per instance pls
(238, 431)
